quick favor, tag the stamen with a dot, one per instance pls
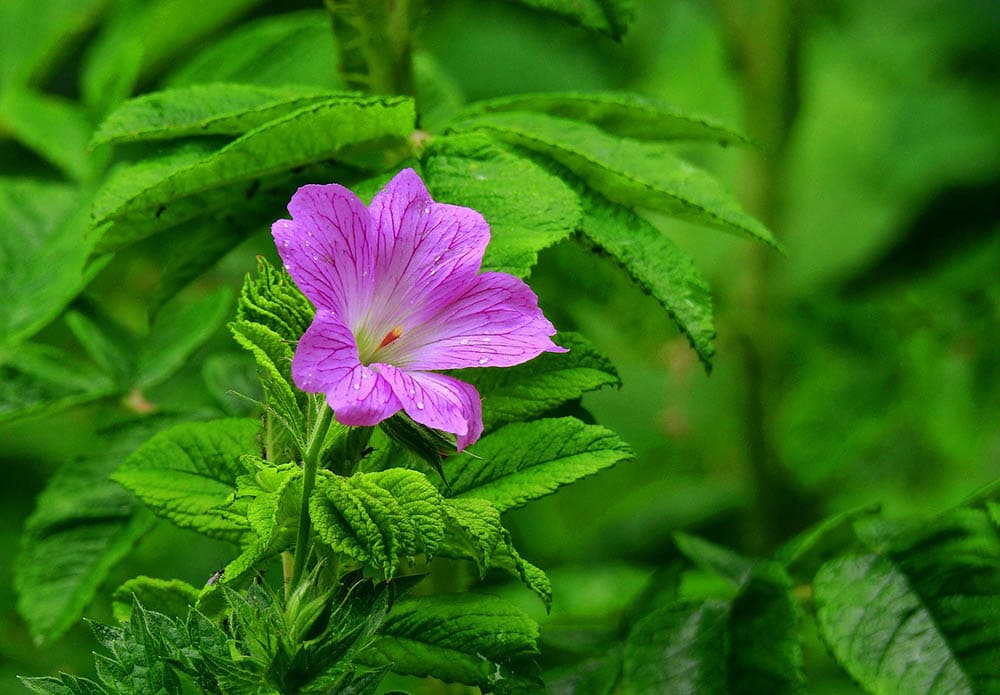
(391, 337)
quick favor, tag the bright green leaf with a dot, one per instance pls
(34, 34)
(55, 128)
(527, 208)
(610, 17)
(169, 596)
(524, 461)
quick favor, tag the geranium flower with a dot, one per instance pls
(398, 294)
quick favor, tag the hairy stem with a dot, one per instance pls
(310, 464)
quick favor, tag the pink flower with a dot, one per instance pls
(398, 294)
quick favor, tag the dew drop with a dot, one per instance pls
(484, 360)
(413, 392)
(285, 243)
(433, 270)
(357, 386)
(315, 257)
(464, 341)
(487, 339)
(420, 405)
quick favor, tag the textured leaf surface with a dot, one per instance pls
(83, 524)
(43, 254)
(464, 638)
(544, 383)
(657, 265)
(609, 17)
(623, 114)
(627, 171)
(188, 473)
(223, 108)
(378, 518)
(138, 199)
(169, 596)
(524, 461)
(527, 208)
(918, 616)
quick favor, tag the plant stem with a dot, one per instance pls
(310, 464)
(375, 44)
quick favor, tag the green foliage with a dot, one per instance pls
(465, 638)
(915, 613)
(57, 129)
(187, 474)
(525, 461)
(171, 597)
(527, 208)
(610, 17)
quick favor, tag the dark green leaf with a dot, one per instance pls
(630, 172)
(623, 114)
(714, 558)
(803, 554)
(610, 17)
(187, 474)
(524, 461)
(527, 208)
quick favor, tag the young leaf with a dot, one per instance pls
(178, 331)
(546, 382)
(271, 298)
(657, 265)
(919, 615)
(464, 638)
(609, 17)
(310, 134)
(172, 597)
(527, 208)
(212, 109)
(187, 474)
(83, 524)
(630, 172)
(524, 461)
(623, 114)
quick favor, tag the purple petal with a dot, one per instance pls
(438, 401)
(327, 248)
(326, 361)
(496, 322)
(426, 252)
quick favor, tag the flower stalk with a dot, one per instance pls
(310, 464)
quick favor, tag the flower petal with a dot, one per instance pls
(326, 361)
(438, 401)
(426, 252)
(327, 248)
(496, 322)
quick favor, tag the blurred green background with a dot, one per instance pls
(862, 367)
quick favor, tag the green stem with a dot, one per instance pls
(375, 43)
(310, 464)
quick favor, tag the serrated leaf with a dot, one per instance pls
(619, 113)
(610, 17)
(43, 254)
(464, 638)
(56, 128)
(171, 597)
(83, 524)
(295, 47)
(379, 518)
(920, 616)
(633, 173)
(527, 208)
(748, 645)
(657, 265)
(193, 183)
(546, 382)
(223, 108)
(272, 299)
(179, 330)
(524, 461)
(187, 474)
(65, 684)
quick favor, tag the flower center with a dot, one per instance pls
(369, 351)
(390, 337)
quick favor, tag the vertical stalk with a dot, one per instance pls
(764, 39)
(310, 464)
(375, 43)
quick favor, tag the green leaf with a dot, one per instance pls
(657, 265)
(804, 553)
(524, 461)
(629, 172)
(190, 181)
(83, 525)
(171, 597)
(187, 474)
(464, 638)
(292, 48)
(609, 17)
(546, 382)
(101, 347)
(920, 615)
(379, 518)
(747, 645)
(527, 208)
(43, 254)
(38, 379)
(623, 114)
(193, 251)
(213, 109)
(55, 128)
(715, 558)
(33, 35)
(271, 299)
(179, 330)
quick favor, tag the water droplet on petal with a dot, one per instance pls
(484, 360)
(420, 405)
(432, 271)
(464, 341)
(413, 392)
(315, 257)
(487, 339)
(357, 386)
